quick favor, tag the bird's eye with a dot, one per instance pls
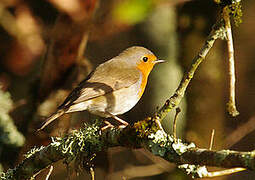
(145, 59)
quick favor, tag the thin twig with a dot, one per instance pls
(175, 99)
(82, 46)
(231, 105)
(211, 140)
(49, 173)
(92, 173)
(224, 172)
(178, 110)
(240, 132)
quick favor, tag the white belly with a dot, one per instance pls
(117, 102)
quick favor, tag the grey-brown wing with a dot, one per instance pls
(103, 80)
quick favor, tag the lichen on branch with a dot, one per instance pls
(89, 140)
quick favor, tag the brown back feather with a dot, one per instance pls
(108, 77)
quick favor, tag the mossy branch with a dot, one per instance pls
(218, 31)
(90, 140)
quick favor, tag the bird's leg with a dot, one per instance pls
(108, 125)
(124, 123)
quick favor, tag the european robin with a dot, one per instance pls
(113, 88)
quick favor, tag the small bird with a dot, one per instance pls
(113, 88)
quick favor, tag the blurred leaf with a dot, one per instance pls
(131, 11)
(9, 134)
(78, 10)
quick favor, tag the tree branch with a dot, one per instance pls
(231, 105)
(90, 140)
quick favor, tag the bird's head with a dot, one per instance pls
(141, 58)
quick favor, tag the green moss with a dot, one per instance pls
(194, 170)
(86, 140)
(222, 155)
(236, 12)
(220, 30)
(235, 9)
(7, 175)
(181, 148)
(160, 143)
(33, 151)
(146, 127)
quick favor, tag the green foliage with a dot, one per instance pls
(132, 11)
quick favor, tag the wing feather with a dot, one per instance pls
(108, 77)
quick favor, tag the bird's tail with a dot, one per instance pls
(54, 116)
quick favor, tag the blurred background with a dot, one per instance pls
(47, 47)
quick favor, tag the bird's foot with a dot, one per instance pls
(108, 125)
(123, 123)
(122, 126)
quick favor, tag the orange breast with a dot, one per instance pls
(145, 68)
(143, 84)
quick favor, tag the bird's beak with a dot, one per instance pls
(159, 61)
